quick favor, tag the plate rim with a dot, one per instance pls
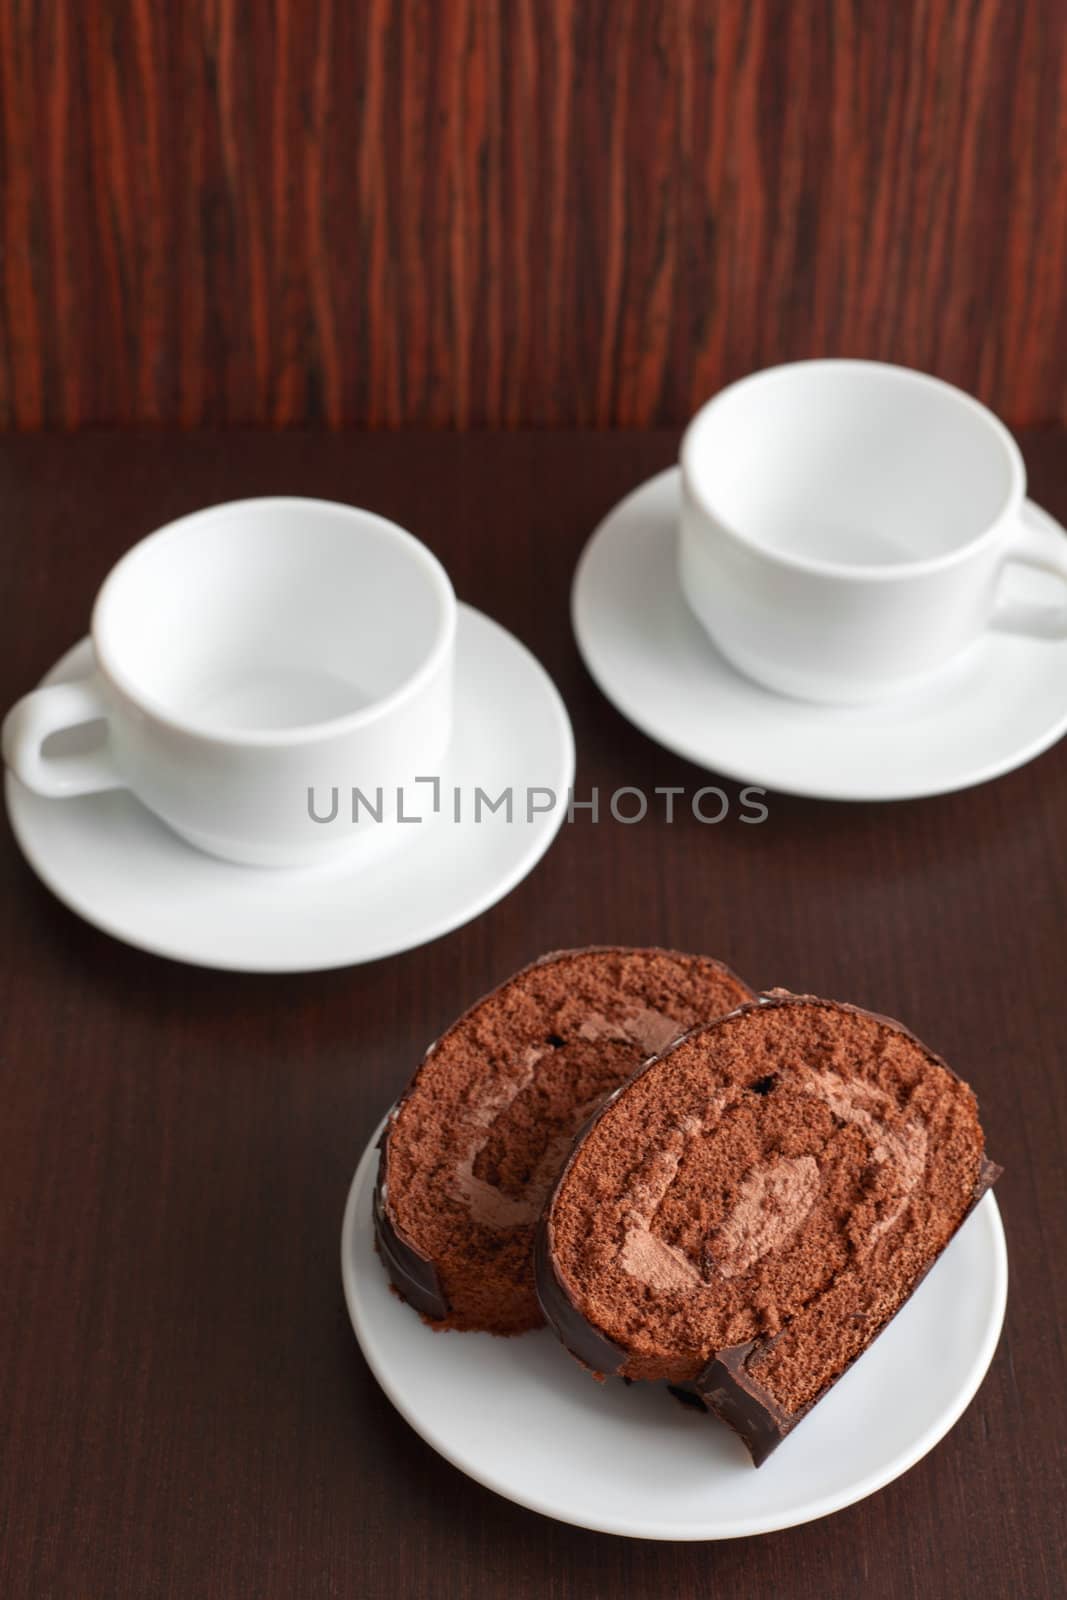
(18, 802)
(882, 792)
(675, 1533)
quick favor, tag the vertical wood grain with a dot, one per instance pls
(470, 212)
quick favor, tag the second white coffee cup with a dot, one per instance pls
(252, 659)
(845, 526)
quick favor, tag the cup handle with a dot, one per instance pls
(1034, 548)
(49, 710)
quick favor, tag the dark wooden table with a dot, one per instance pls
(184, 1410)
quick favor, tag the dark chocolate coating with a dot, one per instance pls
(732, 1393)
(593, 1348)
(412, 1274)
(727, 1390)
(724, 1385)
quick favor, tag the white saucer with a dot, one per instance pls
(520, 1416)
(113, 863)
(995, 708)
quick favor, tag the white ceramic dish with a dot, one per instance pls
(522, 1418)
(999, 705)
(119, 867)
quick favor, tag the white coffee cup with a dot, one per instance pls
(845, 526)
(249, 654)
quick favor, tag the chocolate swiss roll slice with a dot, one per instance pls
(474, 1145)
(746, 1215)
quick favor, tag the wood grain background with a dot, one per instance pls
(468, 212)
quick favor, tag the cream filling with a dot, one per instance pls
(774, 1199)
(644, 1255)
(905, 1147)
(773, 1202)
(649, 1030)
(485, 1201)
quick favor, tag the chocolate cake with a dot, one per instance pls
(474, 1145)
(751, 1209)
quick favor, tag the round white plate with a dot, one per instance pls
(116, 865)
(520, 1416)
(998, 706)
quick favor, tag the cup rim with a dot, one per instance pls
(438, 649)
(857, 571)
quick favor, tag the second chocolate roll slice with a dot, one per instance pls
(748, 1212)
